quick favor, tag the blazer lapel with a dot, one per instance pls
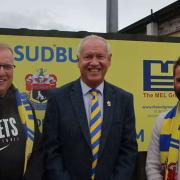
(109, 101)
(78, 104)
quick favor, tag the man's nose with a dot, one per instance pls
(94, 60)
(2, 69)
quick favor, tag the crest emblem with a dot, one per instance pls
(37, 85)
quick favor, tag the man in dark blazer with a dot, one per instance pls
(67, 137)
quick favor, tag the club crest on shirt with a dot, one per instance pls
(37, 85)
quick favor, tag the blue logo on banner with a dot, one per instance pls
(160, 81)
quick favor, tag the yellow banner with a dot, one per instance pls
(144, 68)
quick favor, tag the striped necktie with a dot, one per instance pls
(95, 129)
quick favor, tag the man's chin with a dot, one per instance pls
(2, 92)
(94, 82)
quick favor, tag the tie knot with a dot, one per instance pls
(93, 92)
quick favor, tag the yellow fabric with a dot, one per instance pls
(25, 112)
(170, 134)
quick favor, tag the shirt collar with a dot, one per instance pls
(86, 88)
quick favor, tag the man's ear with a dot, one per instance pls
(77, 61)
(109, 58)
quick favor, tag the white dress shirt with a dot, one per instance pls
(87, 98)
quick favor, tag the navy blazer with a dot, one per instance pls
(67, 144)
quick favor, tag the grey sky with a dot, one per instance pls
(72, 15)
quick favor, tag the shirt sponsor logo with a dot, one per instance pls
(8, 130)
(4, 147)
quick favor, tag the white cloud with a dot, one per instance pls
(72, 15)
(31, 21)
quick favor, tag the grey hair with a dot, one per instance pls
(5, 46)
(92, 36)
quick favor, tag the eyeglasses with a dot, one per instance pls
(7, 67)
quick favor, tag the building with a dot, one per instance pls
(166, 22)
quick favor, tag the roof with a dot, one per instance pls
(164, 14)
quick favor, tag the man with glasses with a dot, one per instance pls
(19, 134)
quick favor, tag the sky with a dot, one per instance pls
(73, 15)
